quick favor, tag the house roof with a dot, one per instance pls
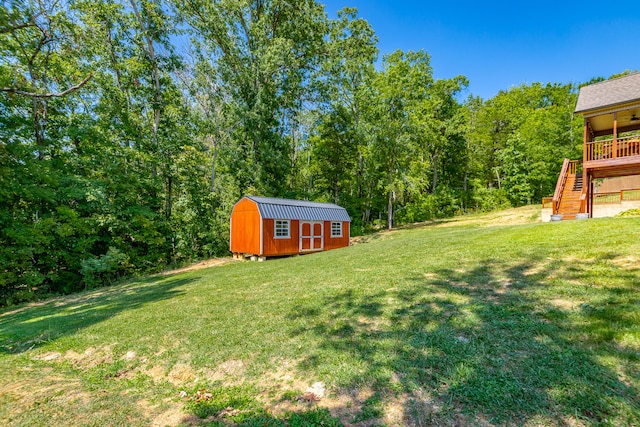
(274, 208)
(609, 93)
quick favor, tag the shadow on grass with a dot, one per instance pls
(33, 325)
(493, 343)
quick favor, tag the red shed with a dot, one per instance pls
(266, 226)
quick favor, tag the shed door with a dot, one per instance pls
(311, 236)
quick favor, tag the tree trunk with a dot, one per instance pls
(390, 211)
(390, 201)
(434, 182)
(169, 201)
(213, 164)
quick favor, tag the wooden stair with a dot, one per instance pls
(570, 200)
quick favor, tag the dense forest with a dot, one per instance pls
(128, 129)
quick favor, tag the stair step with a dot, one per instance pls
(570, 202)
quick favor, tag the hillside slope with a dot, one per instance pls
(453, 323)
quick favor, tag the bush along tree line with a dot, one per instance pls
(128, 130)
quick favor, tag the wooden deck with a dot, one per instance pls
(612, 157)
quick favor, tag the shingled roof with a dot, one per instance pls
(609, 93)
(271, 207)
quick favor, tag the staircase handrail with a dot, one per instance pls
(583, 200)
(562, 180)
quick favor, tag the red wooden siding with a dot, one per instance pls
(336, 242)
(251, 234)
(280, 246)
(245, 228)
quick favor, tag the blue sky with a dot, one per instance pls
(501, 44)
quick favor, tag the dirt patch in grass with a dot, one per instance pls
(181, 373)
(284, 392)
(537, 268)
(343, 405)
(376, 324)
(414, 409)
(91, 357)
(283, 378)
(52, 390)
(214, 262)
(517, 216)
(49, 356)
(229, 373)
(568, 422)
(157, 373)
(565, 304)
(24, 308)
(629, 262)
(167, 415)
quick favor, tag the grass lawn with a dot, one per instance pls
(483, 320)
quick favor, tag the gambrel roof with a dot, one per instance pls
(274, 208)
(609, 93)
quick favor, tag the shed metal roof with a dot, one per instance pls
(609, 93)
(274, 208)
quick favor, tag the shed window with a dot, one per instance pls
(336, 229)
(281, 229)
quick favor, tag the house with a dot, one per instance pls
(611, 149)
(266, 226)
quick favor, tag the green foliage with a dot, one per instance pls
(105, 269)
(489, 199)
(443, 204)
(631, 213)
(520, 137)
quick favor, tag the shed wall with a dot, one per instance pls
(336, 242)
(281, 246)
(245, 227)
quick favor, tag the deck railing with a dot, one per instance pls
(573, 167)
(547, 202)
(611, 149)
(562, 180)
(616, 197)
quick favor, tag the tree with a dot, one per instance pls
(520, 137)
(344, 79)
(264, 52)
(402, 84)
(439, 124)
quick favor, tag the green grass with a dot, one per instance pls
(462, 322)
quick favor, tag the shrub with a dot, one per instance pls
(104, 269)
(490, 199)
(631, 213)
